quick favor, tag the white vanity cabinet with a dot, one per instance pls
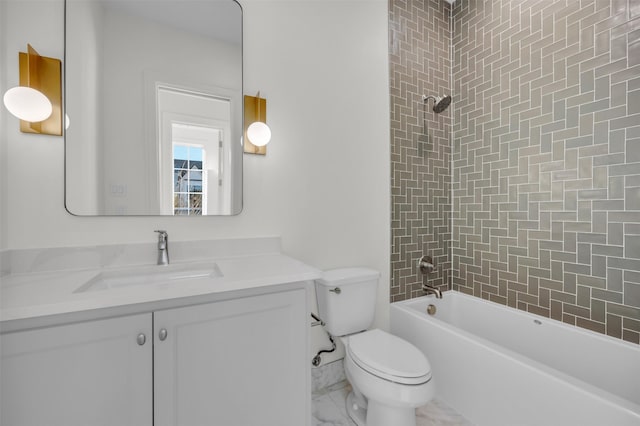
(93, 373)
(241, 362)
(236, 362)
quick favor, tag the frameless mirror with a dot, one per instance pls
(153, 98)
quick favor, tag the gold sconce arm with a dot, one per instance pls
(39, 94)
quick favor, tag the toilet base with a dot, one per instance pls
(379, 415)
(358, 414)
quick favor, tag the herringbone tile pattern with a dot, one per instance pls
(527, 191)
(420, 43)
(546, 158)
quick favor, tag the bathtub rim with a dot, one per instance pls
(521, 313)
(577, 384)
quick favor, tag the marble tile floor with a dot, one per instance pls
(328, 409)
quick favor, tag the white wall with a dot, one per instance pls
(324, 184)
(3, 134)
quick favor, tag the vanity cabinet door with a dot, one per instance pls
(241, 362)
(96, 373)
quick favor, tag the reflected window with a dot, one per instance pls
(189, 195)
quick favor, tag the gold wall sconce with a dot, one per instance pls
(37, 101)
(256, 132)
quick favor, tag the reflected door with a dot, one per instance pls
(194, 153)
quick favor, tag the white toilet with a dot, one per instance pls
(390, 377)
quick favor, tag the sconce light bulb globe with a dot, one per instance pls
(28, 104)
(259, 133)
(67, 121)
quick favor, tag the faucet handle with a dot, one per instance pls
(162, 234)
(425, 263)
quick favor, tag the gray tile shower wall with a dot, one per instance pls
(419, 43)
(546, 159)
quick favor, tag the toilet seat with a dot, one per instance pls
(389, 357)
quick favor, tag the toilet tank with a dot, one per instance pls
(351, 308)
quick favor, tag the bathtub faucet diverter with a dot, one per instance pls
(426, 266)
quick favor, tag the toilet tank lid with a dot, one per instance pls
(344, 276)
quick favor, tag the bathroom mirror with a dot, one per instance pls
(153, 99)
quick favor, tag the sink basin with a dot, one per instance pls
(150, 275)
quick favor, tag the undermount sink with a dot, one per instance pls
(150, 275)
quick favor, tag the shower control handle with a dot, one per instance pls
(425, 263)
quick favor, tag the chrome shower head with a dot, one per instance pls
(440, 103)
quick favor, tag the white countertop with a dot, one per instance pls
(36, 299)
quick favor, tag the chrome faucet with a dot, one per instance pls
(426, 266)
(163, 247)
(432, 290)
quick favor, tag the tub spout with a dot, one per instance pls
(432, 290)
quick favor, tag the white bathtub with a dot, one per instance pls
(499, 366)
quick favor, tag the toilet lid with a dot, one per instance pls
(389, 357)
